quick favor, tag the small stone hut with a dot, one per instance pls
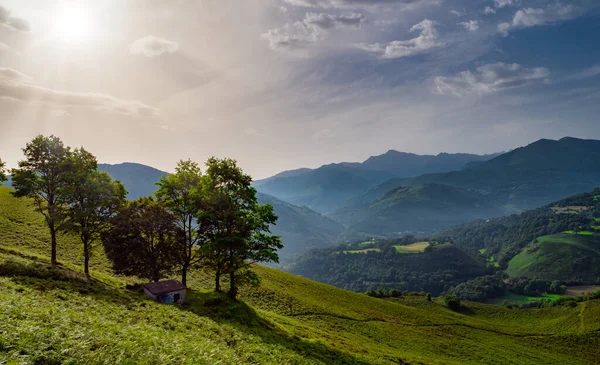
(167, 292)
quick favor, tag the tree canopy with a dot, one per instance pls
(143, 240)
(41, 176)
(3, 176)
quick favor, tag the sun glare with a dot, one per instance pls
(73, 25)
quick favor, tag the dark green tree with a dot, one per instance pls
(41, 177)
(181, 194)
(92, 198)
(452, 302)
(2, 171)
(143, 240)
(239, 235)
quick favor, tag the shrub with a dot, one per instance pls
(452, 302)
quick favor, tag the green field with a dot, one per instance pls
(362, 251)
(518, 299)
(582, 233)
(366, 243)
(416, 247)
(597, 198)
(559, 257)
(56, 316)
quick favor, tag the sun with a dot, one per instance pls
(73, 24)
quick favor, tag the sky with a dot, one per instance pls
(283, 84)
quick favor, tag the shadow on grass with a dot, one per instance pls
(215, 306)
(219, 308)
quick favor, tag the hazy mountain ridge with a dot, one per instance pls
(330, 186)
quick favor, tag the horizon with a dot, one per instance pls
(170, 171)
(280, 84)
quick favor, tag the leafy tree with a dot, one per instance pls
(92, 199)
(142, 240)
(181, 194)
(41, 176)
(239, 235)
(452, 302)
(2, 171)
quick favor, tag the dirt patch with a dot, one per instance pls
(576, 291)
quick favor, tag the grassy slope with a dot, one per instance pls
(53, 316)
(559, 257)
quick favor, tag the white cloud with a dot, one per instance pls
(427, 40)
(18, 86)
(471, 25)
(457, 13)
(357, 3)
(328, 21)
(254, 132)
(504, 3)
(530, 17)
(4, 47)
(152, 46)
(489, 10)
(489, 78)
(323, 136)
(311, 29)
(13, 22)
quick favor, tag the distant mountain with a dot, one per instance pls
(301, 229)
(329, 187)
(420, 209)
(527, 177)
(139, 180)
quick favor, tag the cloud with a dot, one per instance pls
(152, 46)
(356, 3)
(254, 132)
(4, 47)
(427, 39)
(311, 29)
(530, 17)
(457, 13)
(13, 22)
(504, 3)
(323, 136)
(328, 21)
(489, 10)
(471, 25)
(18, 86)
(489, 78)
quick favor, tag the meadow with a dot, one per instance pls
(416, 247)
(57, 316)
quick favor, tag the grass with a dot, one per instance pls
(563, 256)
(483, 251)
(597, 198)
(518, 299)
(366, 243)
(582, 233)
(416, 247)
(362, 251)
(56, 316)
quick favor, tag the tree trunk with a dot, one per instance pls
(86, 258)
(218, 279)
(232, 286)
(184, 270)
(53, 243)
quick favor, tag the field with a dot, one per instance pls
(416, 247)
(362, 251)
(518, 299)
(56, 316)
(553, 258)
(582, 233)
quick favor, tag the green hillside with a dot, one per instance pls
(567, 257)
(301, 228)
(56, 316)
(424, 208)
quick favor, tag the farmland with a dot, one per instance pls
(416, 247)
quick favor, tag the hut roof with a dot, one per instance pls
(163, 287)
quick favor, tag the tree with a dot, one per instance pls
(142, 240)
(452, 302)
(181, 194)
(41, 176)
(2, 171)
(92, 198)
(239, 232)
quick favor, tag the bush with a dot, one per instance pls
(452, 302)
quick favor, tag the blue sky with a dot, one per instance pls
(281, 84)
